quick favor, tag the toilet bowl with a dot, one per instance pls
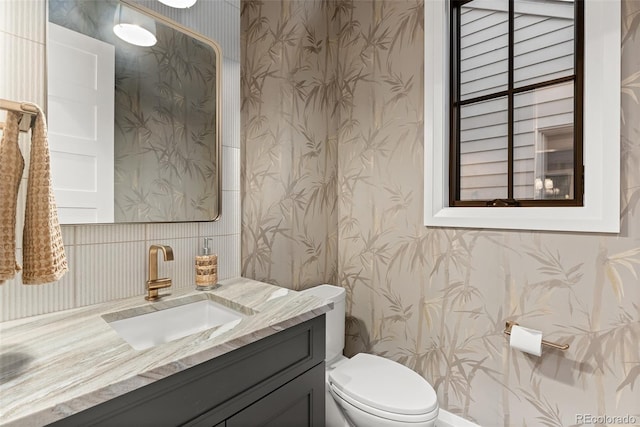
(369, 390)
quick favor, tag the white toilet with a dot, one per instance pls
(369, 390)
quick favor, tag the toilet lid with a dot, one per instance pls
(384, 384)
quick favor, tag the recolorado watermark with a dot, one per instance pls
(606, 419)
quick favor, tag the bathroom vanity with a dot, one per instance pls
(277, 381)
(71, 368)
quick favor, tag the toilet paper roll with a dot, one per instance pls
(527, 340)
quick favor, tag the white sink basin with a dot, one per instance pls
(145, 330)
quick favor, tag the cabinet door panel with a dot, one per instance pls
(299, 403)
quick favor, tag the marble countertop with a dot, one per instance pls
(58, 364)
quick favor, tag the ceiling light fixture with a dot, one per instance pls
(179, 4)
(134, 27)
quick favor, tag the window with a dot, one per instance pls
(515, 70)
(506, 94)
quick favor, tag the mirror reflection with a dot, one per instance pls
(133, 115)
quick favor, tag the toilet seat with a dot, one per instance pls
(421, 418)
(384, 388)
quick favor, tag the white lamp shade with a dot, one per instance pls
(179, 4)
(134, 27)
(548, 184)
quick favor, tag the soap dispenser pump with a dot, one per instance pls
(206, 268)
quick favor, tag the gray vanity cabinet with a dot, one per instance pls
(276, 381)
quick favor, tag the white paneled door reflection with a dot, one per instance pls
(81, 81)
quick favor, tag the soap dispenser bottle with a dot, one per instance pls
(206, 268)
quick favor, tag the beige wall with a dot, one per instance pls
(107, 262)
(433, 299)
(289, 141)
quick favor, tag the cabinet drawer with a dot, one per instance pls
(221, 386)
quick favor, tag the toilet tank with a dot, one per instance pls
(335, 317)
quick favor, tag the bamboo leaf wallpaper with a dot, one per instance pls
(290, 93)
(332, 193)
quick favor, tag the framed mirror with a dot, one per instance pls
(134, 123)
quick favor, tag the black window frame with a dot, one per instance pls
(455, 103)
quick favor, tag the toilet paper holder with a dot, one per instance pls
(507, 330)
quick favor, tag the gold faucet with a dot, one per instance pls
(153, 284)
